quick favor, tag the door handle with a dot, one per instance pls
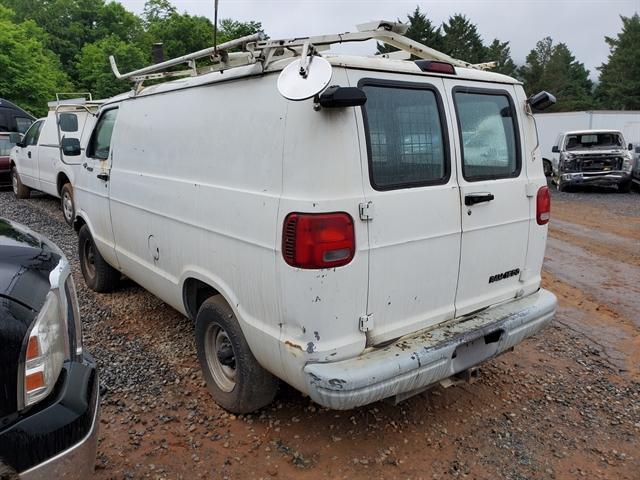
(29, 154)
(474, 198)
(103, 176)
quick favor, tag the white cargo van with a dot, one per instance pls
(373, 240)
(39, 163)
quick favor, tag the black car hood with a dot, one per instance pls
(26, 261)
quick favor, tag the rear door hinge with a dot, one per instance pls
(366, 323)
(531, 189)
(366, 211)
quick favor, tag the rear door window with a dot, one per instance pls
(488, 134)
(406, 139)
(100, 142)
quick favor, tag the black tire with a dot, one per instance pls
(67, 204)
(624, 187)
(234, 377)
(19, 189)
(98, 274)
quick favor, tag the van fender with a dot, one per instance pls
(263, 342)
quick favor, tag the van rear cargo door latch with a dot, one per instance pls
(366, 211)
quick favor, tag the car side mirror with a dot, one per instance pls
(70, 147)
(340, 97)
(15, 138)
(555, 149)
(541, 101)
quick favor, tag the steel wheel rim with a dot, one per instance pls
(14, 183)
(89, 258)
(216, 342)
(67, 205)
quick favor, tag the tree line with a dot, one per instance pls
(49, 46)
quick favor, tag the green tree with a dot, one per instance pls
(619, 86)
(229, 29)
(461, 40)
(92, 64)
(421, 29)
(500, 52)
(181, 34)
(71, 24)
(553, 68)
(30, 75)
(156, 10)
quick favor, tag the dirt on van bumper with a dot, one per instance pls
(564, 404)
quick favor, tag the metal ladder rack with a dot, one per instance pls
(257, 49)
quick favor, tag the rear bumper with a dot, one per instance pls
(614, 177)
(59, 439)
(429, 356)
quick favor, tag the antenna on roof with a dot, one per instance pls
(215, 27)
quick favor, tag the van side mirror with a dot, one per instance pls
(70, 147)
(541, 101)
(68, 122)
(631, 147)
(555, 149)
(340, 97)
(15, 138)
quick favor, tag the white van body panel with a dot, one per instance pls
(203, 171)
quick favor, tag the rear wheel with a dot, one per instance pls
(19, 190)
(98, 274)
(66, 202)
(234, 377)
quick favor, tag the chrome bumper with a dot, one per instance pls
(75, 463)
(604, 177)
(429, 356)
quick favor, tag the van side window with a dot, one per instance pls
(406, 145)
(100, 142)
(32, 135)
(489, 134)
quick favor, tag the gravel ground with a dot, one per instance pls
(565, 404)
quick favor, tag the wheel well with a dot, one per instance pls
(62, 179)
(78, 222)
(194, 293)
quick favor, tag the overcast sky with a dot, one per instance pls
(581, 24)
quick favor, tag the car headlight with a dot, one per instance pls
(46, 351)
(627, 164)
(54, 337)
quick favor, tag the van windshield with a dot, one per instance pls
(593, 141)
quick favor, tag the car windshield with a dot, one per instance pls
(598, 141)
(5, 146)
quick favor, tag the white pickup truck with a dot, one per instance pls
(38, 163)
(361, 228)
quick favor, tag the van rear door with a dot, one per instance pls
(493, 193)
(413, 204)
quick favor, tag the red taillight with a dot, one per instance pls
(318, 240)
(543, 206)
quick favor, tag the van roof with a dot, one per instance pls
(377, 63)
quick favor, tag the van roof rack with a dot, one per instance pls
(257, 49)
